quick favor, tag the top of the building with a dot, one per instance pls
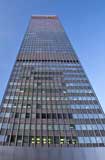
(44, 16)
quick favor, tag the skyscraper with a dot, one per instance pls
(49, 109)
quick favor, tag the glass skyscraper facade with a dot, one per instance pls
(49, 101)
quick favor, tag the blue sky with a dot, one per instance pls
(83, 20)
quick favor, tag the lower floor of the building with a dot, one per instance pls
(70, 153)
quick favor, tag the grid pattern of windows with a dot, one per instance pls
(49, 100)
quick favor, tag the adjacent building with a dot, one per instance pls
(49, 104)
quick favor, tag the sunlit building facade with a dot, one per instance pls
(49, 101)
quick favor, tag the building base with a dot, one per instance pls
(26, 153)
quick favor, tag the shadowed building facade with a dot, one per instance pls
(49, 109)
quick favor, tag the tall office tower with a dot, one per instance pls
(49, 109)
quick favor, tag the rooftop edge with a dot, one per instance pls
(44, 16)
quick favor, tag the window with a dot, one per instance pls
(87, 139)
(85, 116)
(74, 140)
(27, 115)
(43, 115)
(99, 140)
(2, 138)
(38, 140)
(37, 115)
(89, 127)
(7, 115)
(15, 126)
(62, 127)
(83, 127)
(21, 126)
(103, 139)
(7, 138)
(94, 127)
(64, 115)
(23, 115)
(16, 115)
(25, 139)
(13, 137)
(68, 140)
(53, 115)
(10, 125)
(59, 116)
(78, 127)
(100, 127)
(48, 115)
(50, 127)
(93, 139)
(32, 140)
(28, 106)
(72, 126)
(56, 140)
(44, 127)
(70, 116)
(32, 127)
(66, 127)
(50, 140)
(56, 127)
(33, 115)
(4, 125)
(27, 126)
(44, 140)
(38, 105)
(19, 139)
(81, 139)
(101, 116)
(2, 114)
(38, 127)
(62, 140)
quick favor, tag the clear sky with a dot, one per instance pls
(83, 20)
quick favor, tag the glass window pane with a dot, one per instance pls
(81, 139)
